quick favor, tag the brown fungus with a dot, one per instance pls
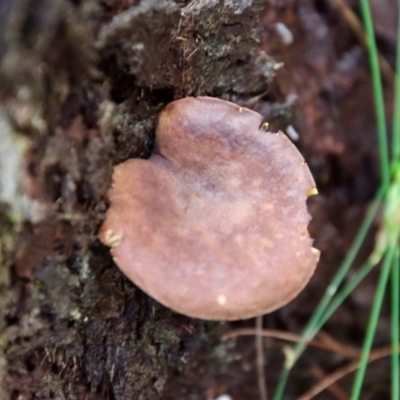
(214, 223)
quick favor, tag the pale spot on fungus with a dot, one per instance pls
(193, 223)
(267, 206)
(221, 299)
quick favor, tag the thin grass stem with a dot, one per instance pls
(378, 91)
(395, 314)
(396, 106)
(283, 378)
(345, 292)
(373, 321)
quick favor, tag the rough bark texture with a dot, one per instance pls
(82, 84)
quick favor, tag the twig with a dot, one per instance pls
(262, 387)
(292, 337)
(341, 372)
(335, 389)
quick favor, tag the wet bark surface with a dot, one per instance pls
(82, 84)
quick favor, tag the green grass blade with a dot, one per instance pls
(283, 378)
(396, 106)
(345, 292)
(312, 326)
(373, 321)
(395, 311)
(378, 91)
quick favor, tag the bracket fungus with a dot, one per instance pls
(214, 223)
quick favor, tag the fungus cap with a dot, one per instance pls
(214, 223)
